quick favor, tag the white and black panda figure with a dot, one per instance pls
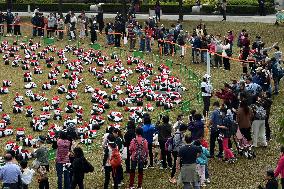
(89, 89)
(53, 81)
(38, 126)
(17, 109)
(4, 90)
(30, 85)
(149, 107)
(7, 118)
(113, 97)
(25, 154)
(122, 102)
(72, 95)
(92, 134)
(57, 114)
(65, 74)
(168, 105)
(8, 131)
(115, 116)
(72, 86)
(45, 107)
(29, 111)
(28, 141)
(114, 78)
(34, 63)
(7, 83)
(97, 109)
(15, 63)
(97, 120)
(9, 145)
(1, 107)
(37, 70)
(55, 102)
(69, 108)
(6, 61)
(20, 134)
(3, 124)
(62, 89)
(46, 86)
(27, 77)
(26, 67)
(79, 115)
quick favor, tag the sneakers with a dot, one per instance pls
(203, 185)
(151, 167)
(173, 180)
(207, 181)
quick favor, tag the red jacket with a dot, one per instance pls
(133, 146)
(280, 167)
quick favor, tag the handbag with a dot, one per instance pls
(124, 153)
(35, 164)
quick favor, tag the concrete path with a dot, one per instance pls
(260, 19)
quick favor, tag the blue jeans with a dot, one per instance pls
(59, 170)
(142, 45)
(148, 44)
(191, 185)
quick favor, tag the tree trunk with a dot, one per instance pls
(180, 10)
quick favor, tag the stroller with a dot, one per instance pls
(243, 146)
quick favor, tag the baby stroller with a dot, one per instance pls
(243, 146)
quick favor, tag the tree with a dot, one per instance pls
(180, 2)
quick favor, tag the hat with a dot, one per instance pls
(206, 76)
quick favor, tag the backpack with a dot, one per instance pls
(170, 143)
(140, 154)
(260, 113)
(87, 166)
(115, 159)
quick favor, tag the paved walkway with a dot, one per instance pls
(260, 19)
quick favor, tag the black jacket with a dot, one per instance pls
(165, 132)
(77, 167)
(129, 135)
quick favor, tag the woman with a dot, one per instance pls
(165, 132)
(78, 167)
(196, 127)
(51, 21)
(228, 53)
(280, 167)
(41, 155)
(158, 11)
(129, 135)
(119, 142)
(244, 118)
(62, 160)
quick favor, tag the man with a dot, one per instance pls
(261, 5)
(206, 92)
(186, 164)
(10, 173)
(9, 21)
(224, 9)
(215, 121)
(139, 153)
(2, 19)
(277, 74)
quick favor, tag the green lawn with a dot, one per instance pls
(244, 174)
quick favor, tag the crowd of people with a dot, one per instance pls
(240, 116)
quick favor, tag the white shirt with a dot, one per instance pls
(27, 176)
(208, 88)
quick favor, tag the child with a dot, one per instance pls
(42, 177)
(202, 162)
(271, 182)
(27, 174)
(60, 27)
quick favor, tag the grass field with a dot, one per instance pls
(242, 175)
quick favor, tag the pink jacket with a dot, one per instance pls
(62, 153)
(280, 167)
(132, 147)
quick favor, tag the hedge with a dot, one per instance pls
(167, 9)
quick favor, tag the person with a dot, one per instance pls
(51, 21)
(271, 182)
(9, 21)
(2, 19)
(215, 121)
(67, 22)
(100, 20)
(129, 135)
(226, 132)
(17, 26)
(42, 177)
(27, 174)
(178, 122)
(60, 27)
(196, 127)
(258, 124)
(73, 22)
(178, 143)
(228, 53)
(81, 26)
(164, 132)
(224, 9)
(41, 155)
(267, 103)
(244, 119)
(202, 163)
(186, 163)
(78, 168)
(277, 74)
(119, 142)
(280, 167)
(206, 92)
(148, 133)
(139, 153)
(10, 173)
(277, 54)
(62, 160)
(261, 7)
(108, 150)
(158, 11)
(94, 28)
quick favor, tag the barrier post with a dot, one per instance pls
(208, 62)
